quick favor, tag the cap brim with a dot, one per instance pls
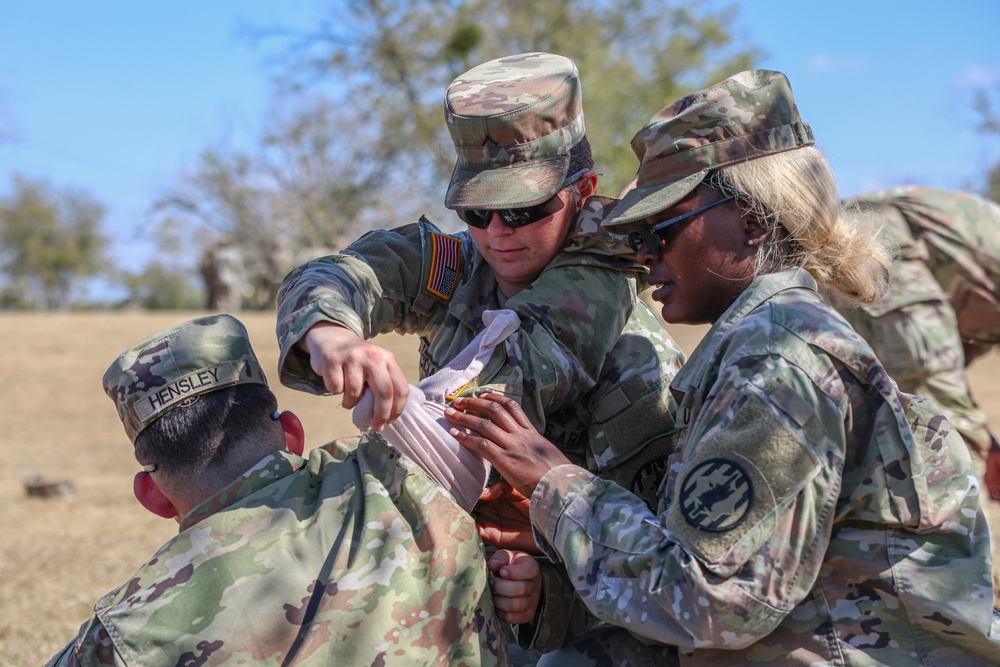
(641, 203)
(516, 186)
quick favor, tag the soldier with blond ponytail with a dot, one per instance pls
(812, 514)
(793, 195)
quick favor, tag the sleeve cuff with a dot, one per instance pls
(553, 494)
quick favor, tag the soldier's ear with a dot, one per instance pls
(295, 434)
(588, 184)
(151, 497)
(754, 233)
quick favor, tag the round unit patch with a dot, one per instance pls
(716, 495)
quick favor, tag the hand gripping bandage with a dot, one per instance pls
(422, 433)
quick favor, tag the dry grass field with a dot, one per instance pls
(59, 555)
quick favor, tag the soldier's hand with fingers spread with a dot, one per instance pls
(500, 432)
(517, 585)
(348, 363)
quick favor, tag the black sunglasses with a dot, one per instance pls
(512, 217)
(657, 236)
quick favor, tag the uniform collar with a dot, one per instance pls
(761, 290)
(269, 469)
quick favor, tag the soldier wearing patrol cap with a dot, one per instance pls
(813, 514)
(274, 560)
(590, 363)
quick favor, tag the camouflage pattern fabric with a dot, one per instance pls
(513, 121)
(594, 378)
(747, 116)
(177, 364)
(783, 538)
(604, 646)
(942, 309)
(566, 634)
(352, 557)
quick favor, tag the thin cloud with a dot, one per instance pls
(978, 76)
(826, 64)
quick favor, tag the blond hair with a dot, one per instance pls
(793, 195)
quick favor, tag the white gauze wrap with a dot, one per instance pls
(421, 432)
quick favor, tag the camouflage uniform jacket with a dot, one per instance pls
(352, 557)
(590, 365)
(956, 237)
(801, 521)
(942, 309)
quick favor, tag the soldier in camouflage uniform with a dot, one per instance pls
(353, 556)
(943, 305)
(590, 365)
(812, 513)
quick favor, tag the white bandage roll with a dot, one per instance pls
(422, 433)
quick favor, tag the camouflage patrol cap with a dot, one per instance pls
(747, 116)
(173, 367)
(513, 121)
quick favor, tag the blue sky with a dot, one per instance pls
(116, 98)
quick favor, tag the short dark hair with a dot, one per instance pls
(580, 157)
(202, 434)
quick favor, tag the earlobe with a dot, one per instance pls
(754, 233)
(151, 497)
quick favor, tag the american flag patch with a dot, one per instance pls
(444, 265)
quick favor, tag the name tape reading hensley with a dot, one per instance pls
(197, 382)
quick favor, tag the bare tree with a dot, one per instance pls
(393, 59)
(358, 138)
(306, 184)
